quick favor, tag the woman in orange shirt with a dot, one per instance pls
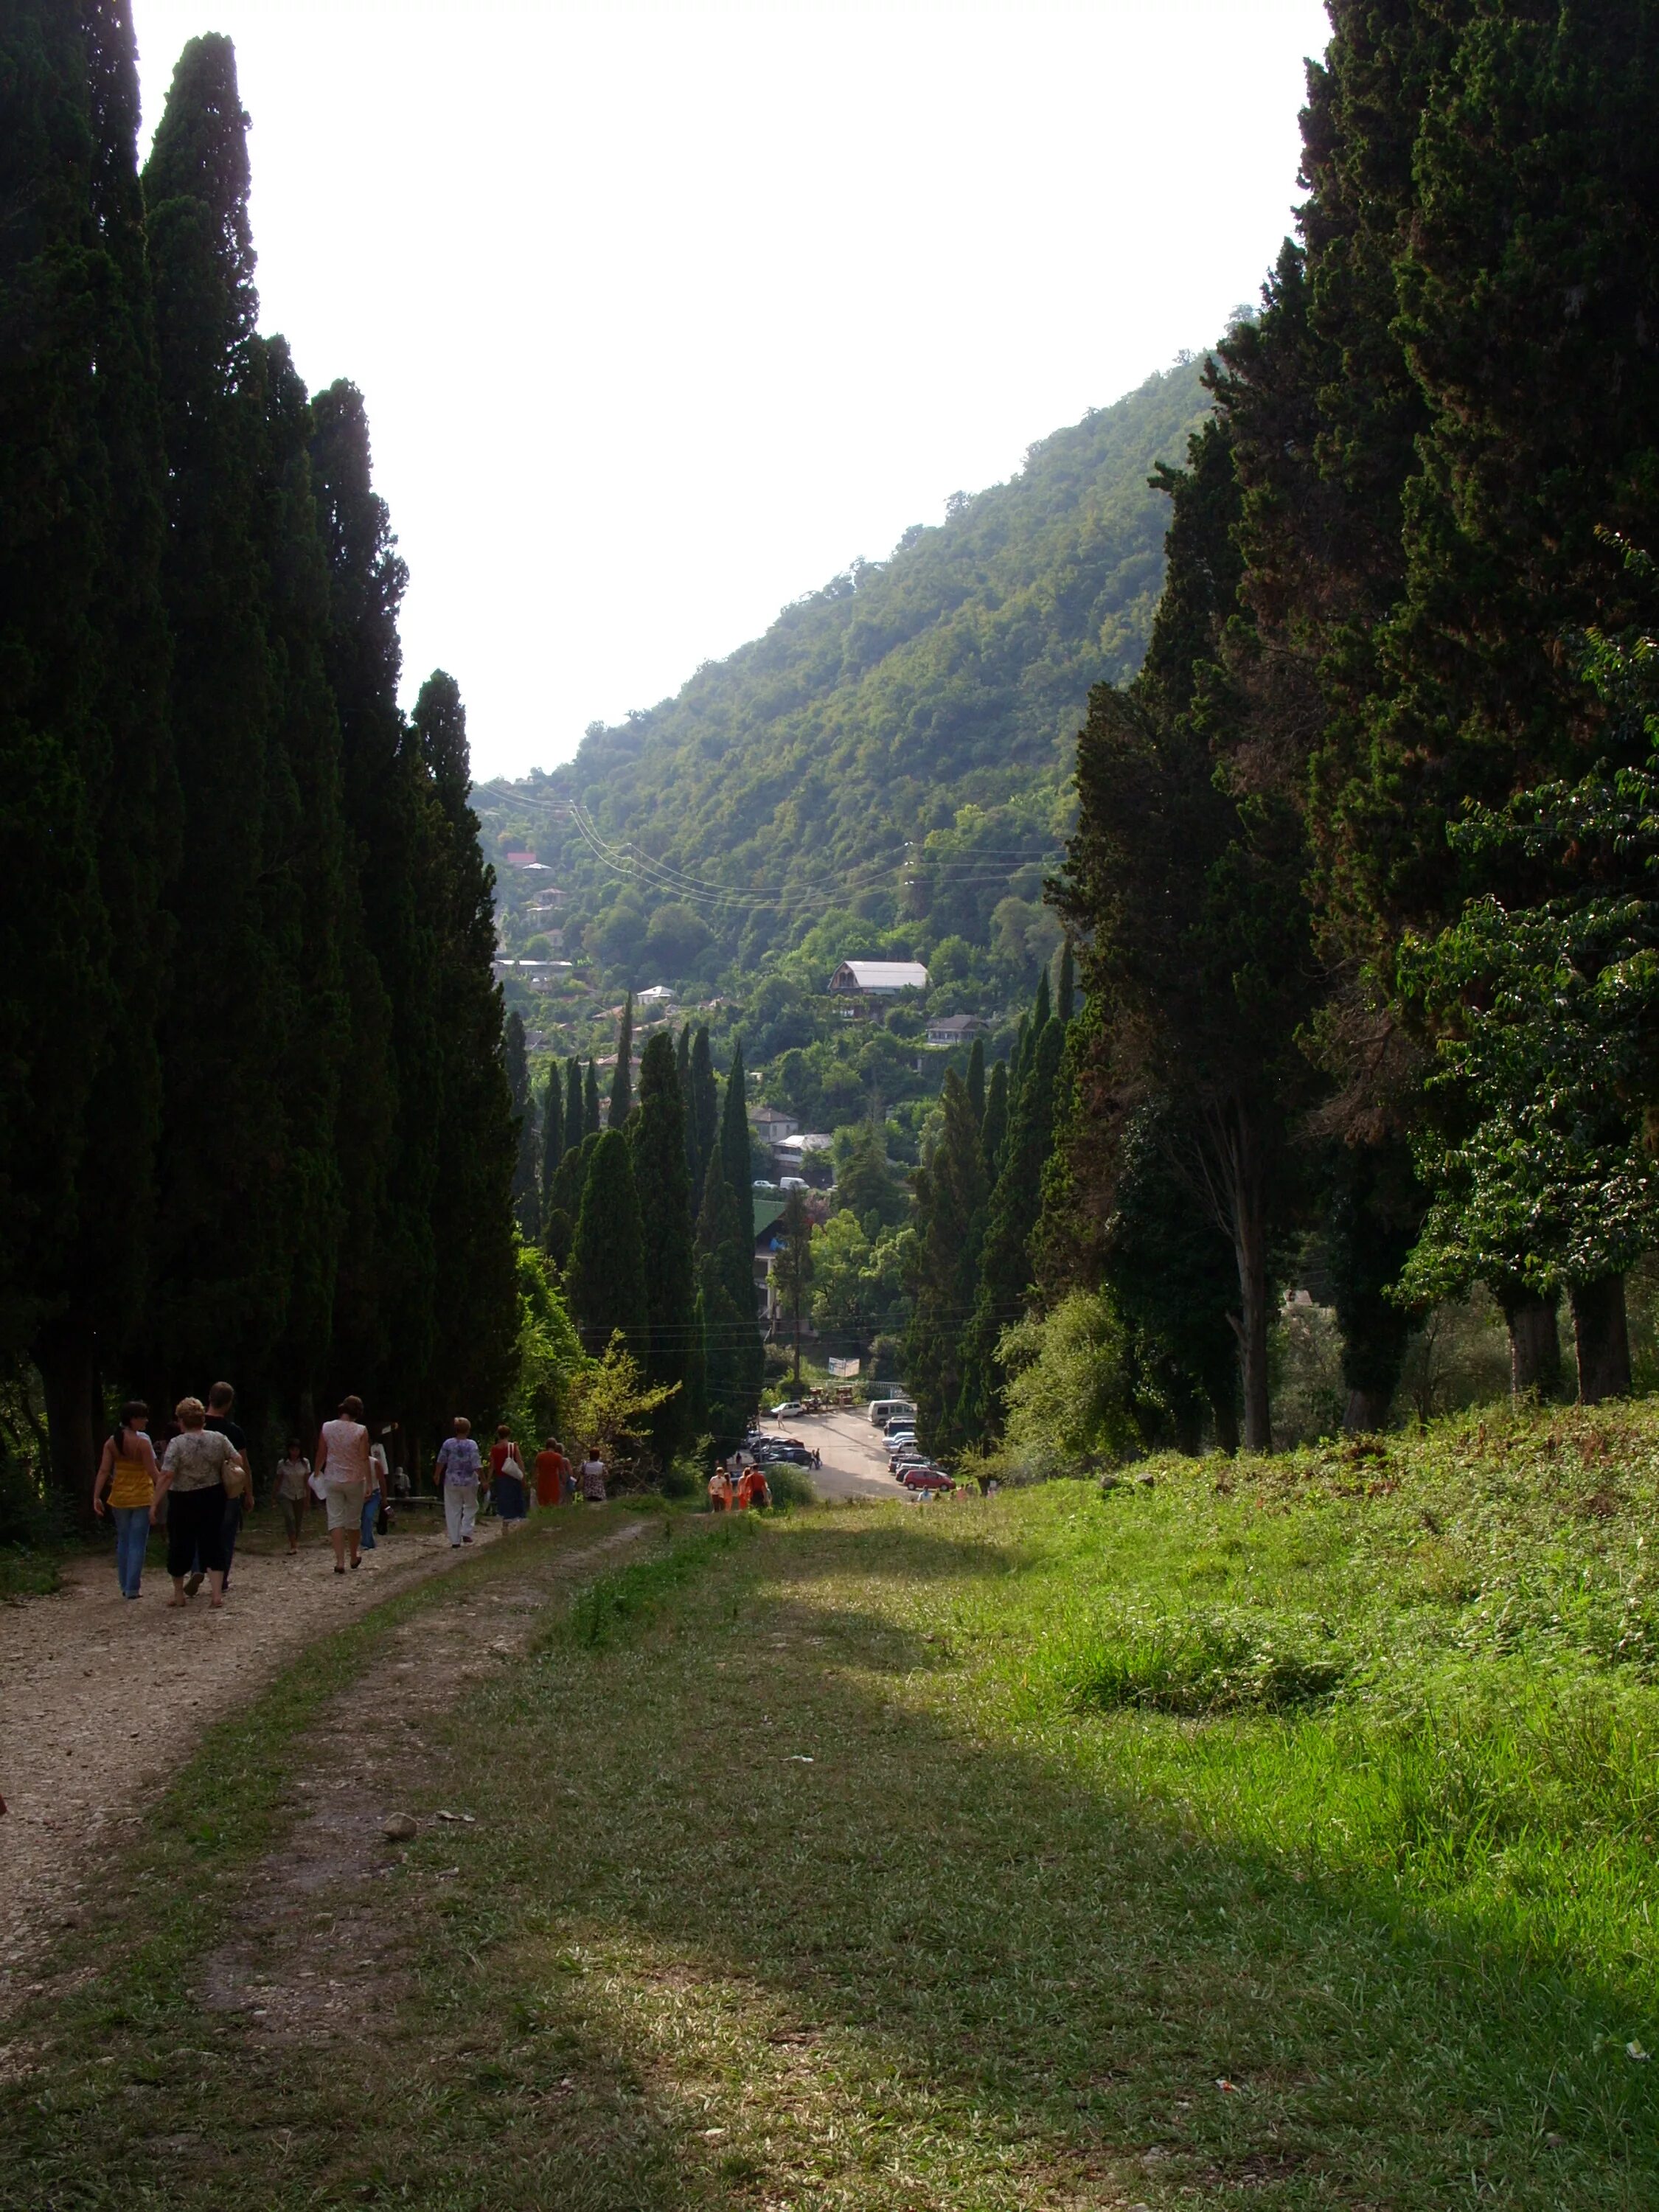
(551, 1468)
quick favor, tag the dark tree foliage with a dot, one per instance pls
(866, 1185)
(703, 1105)
(683, 1069)
(575, 1110)
(220, 1266)
(994, 1127)
(526, 1193)
(606, 1278)
(87, 793)
(657, 1142)
(793, 1271)
(950, 1192)
(1012, 1213)
(733, 1153)
(1376, 1209)
(725, 1281)
(480, 1170)
(384, 1338)
(1185, 900)
(592, 1120)
(976, 1080)
(552, 1126)
(621, 1081)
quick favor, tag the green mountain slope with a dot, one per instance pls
(888, 766)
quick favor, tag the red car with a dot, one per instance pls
(926, 1477)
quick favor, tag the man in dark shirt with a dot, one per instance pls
(222, 1400)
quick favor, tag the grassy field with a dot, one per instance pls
(1278, 1833)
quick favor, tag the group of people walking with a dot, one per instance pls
(461, 1478)
(202, 1484)
(735, 1488)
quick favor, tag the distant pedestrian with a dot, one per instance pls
(508, 1482)
(720, 1490)
(127, 1473)
(239, 1484)
(593, 1477)
(380, 1481)
(193, 1480)
(552, 1474)
(458, 1477)
(292, 1491)
(342, 1469)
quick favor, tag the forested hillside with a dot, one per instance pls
(893, 756)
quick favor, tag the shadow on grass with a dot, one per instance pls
(995, 1924)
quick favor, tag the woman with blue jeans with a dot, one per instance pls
(126, 1480)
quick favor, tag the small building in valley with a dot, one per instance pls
(946, 1029)
(877, 979)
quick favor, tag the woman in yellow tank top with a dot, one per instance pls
(126, 1480)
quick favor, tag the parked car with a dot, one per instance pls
(789, 1411)
(797, 1455)
(926, 1477)
(910, 1456)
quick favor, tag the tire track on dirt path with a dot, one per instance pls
(105, 1699)
(312, 1953)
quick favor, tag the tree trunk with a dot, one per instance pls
(1534, 1345)
(1600, 1338)
(1366, 1411)
(65, 1356)
(1189, 1428)
(1251, 1249)
(1224, 1414)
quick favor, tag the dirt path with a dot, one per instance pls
(103, 1699)
(311, 1953)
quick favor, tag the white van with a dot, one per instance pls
(885, 1409)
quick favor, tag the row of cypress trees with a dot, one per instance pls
(647, 1211)
(1363, 874)
(979, 1205)
(256, 1122)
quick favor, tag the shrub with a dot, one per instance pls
(1203, 1664)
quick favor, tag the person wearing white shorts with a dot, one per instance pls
(343, 1470)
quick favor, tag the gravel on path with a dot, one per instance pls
(104, 1698)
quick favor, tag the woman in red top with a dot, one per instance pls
(551, 1469)
(507, 1480)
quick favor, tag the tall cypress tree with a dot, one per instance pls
(86, 791)
(727, 1295)
(592, 1122)
(575, 1112)
(527, 1195)
(1012, 1216)
(1065, 988)
(976, 1080)
(951, 1193)
(220, 1260)
(735, 1152)
(552, 1126)
(735, 1162)
(621, 1081)
(683, 1068)
(994, 1127)
(474, 1337)
(703, 1106)
(386, 1332)
(657, 1144)
(606, 1280)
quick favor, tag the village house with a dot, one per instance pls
(946, 1029)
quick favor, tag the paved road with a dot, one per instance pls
(854, 1455)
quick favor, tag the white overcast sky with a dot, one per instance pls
(663, 314)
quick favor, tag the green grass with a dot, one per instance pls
(953, 1857)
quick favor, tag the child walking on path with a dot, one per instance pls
(293, 1490)
(458, 1477)
(127, 1471)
